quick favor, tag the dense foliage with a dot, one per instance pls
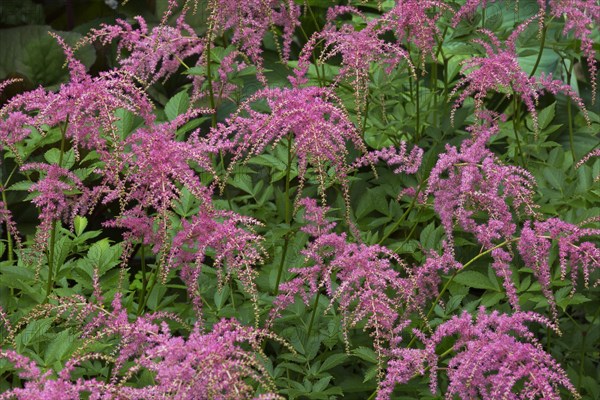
(301, 199)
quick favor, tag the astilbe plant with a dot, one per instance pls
(84, 107)
(250, 21)
(358, 49)
(580, 16)
(500, 71)
(472, 188)
(203, 365)
(577, 256)
(490, 362)
(321, 131)
(150, 54)
(235, 250)
(362, 280)
(56, 196)
(149, 179)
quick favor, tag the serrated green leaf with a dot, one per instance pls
(59, 346)
(79, 223)
(474, 279)
(33, 53)
(366, 354)
(333, 361)
(177, 105)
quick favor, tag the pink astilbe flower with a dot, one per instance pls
(150, 54)
(468, 9)
(500, 71)
(55, 194)
(414, 23)
(402, 367)
(404, 161)
(490, 361)
(217, 364)
(472, 188)
(358, 49)
(154, 170)
(361, 279)
(321, 131)
(235, 250)
(6, 218)
(589, 156)
(40, 385)
(575, 254)
(84, 107)
(581, 17)
(250, 20)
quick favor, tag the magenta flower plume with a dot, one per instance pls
(414, 22)
(500, 71)
(155, 170)
(250, 20)
(7, 219)
(235, 251)
(581, 17)
(363, 281)
(84, 107)
(40, 385)
(225, 363)
(575, 254)
(471, 184)
(56, 196)
(150, 54)
(320, 128)
(358, 49)
(490, 360)
(589, 156)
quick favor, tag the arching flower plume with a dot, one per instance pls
(472, 181)
(490, 359)
(150, 54)
(250, 20)
(362, 280)
(235, 250)
(500, 71)
(320, 128)
(577, 256)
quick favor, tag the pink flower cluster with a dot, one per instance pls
(490, 362)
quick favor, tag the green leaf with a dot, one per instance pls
(59, 346)
(33, 333)
(20, 186)
(177, 105)
(366, 354)
(333, 361)
(53, 157)
(79, 224)
(546, 116)
(30, 51)
(474, 279)
(554, 176)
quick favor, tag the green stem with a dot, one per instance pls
(403, 216)
(570, 112)
(456, 272)
(211, 94)
(417, 105)
(144, 280)
(516, 127)
(312, 315)
(154, 278)
(9, 239)
(540, 51)
(50, 283)
(288, 214)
